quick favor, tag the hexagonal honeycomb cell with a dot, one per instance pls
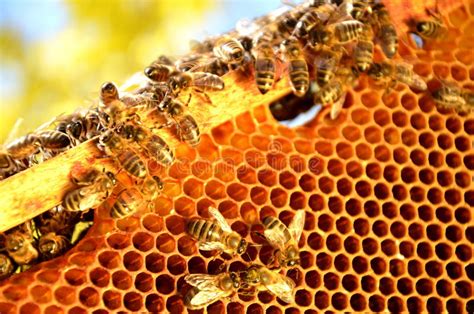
(387, 188)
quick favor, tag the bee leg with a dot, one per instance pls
(204, 95)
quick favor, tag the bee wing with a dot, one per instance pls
(297, 224)
(203, 281)
(203, 298)
(275, 238)
(207, 80)
(282, 287)
(209, 246)
(337, 106)
(220, 219)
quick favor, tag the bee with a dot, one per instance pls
(198, 81)
(126, 204)
(151, 187)
(92, 191)
(286, 22)
(451, 96)
(57, 220)
(313, 17)
(396, 71)
(364, 50)
(24, 146)
(6, 266)
(210, 288)
(51, 245)
(202, 63)
(265, 279)
(153, 144)
(8, 165)
(165, 60)
(297, 67)
(337, 33)
(199, 47)
(53, 140)
(81, 126)
(112, 111)
(159, 72)
(386, 31)
(216, 235)
(264, 61)
(113, 146)
(188, 130)
(285, 239)
(327, 63)
(332, 94)
(360, 9)
(431, 29)
(230, 51)
(20, 246)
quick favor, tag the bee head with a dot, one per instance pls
(178, 82)
(242, 247)
(235, 280)
(74, 129)
(106, 138)
(108, 92)
(237, 56)
(151, 72)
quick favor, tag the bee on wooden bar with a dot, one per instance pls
(24, 146)
(51, 245)
(264, 61)
(230, 51)
(364, 50)
(112, 111)
(92, 191)
(265, 279)
(198, 81)
(127, 203)
(216, 234)
(210, 288)
(386, 31)
(153, 144)
(393, 72)
(114, 147)
(297, 67)
(285, 239)
(188, 130)
(80, 126)
(6, 266)
(54, 141)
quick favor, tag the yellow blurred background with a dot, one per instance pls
(54, 55)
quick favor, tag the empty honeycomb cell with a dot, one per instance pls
(351, 245)
(344, 150)
(64, 295)
(358, 302)
(193, 188)
(463, 144)
(323, 261)
(400, 155)
(399, 192)
(426, 139)
(326, 184)
(380, 228)
(325, 222)
(409, 137)
(382, 153)
(389, 209)
(133, 301)
(163, 206)
(378, 265)
(462, 179)
(339, 301)
(469, 198)
(390, 173)
(376, 303)
(417, 194)
(353, 207)
(265, 297)
(458, 72)
(360, 264)
(463, 215)
(463, 289)
(444, 141)
(422, 69)
(368, 284)
(453, 160)
(89, 297)
(261, 142)
(454, 306)
(153, 223)
(324, 148)
(77, 310)
(426, 176)
(454, 270)
(165, 284)
(363, 151)
(16, 293)
(389, 247)
(344, 186)
(109, 259)
(452, 196)
(463, 252)
(427, 104)
(369, 246)
(154, 303)
(407, 249)
(306, 259)
(246, 175)
(350, 132)
(100, 277)
(372, 134)
(165, 243)
(129, 224)
(409, 102)
(202, 169)
(75, 276)
(267, 177)
(363, 188)
(254, 158)
(175, 224)
(343, 225)
(29, 308)
(155, 262)
(391, 136)
(297, 163)
(381, 191)
(408, 175)
(215, 190)
(443, 251)
(415, 268)
(341, 263)
(350, 282)
(112, 299)
(328, 132)
(176, 264)
(333, 243)
(223, 132)
(335, 204)
(441, 70)
(469, 126)
(354, 169)
(186, 246)
(370, 99)
(400, 119)
(259, 195)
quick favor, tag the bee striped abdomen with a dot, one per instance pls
(132, 164)
(347, 31)
(189, 130)
(271, 222)
(54, 140)
(364, 54)
(299, 76)
(389, 40)
(204, 230)
(72, 200)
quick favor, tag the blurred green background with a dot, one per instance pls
(54, 55)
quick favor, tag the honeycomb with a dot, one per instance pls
(387, 189)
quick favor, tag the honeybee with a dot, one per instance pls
(201, 47)
(297, 67)
(313, 17)
(53, 140)
(337, 33)
(286, 22)
(264, 61)
(202, 63)
(92, 191)
(8, 165)
(20, 246)
(113, 146)
(451, 96)
(285, 239)
(327, 63)
(230, 51)
(265, 279)
(198, 81)
(396, 71)
(431, 29)
(159, 72)
(360, 9)
(364, 50)
(57, 220)
(6, 266)
(153, 144)
(24, 146)
(126, 204)
(188, 130)
(386, 31)
(151, 187)
(81, 126)
(333, 94)
(112, 111)
(52, 245)
(216, 235)
(210, 288)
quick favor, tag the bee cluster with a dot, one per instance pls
(218, 235)
(328, 44)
